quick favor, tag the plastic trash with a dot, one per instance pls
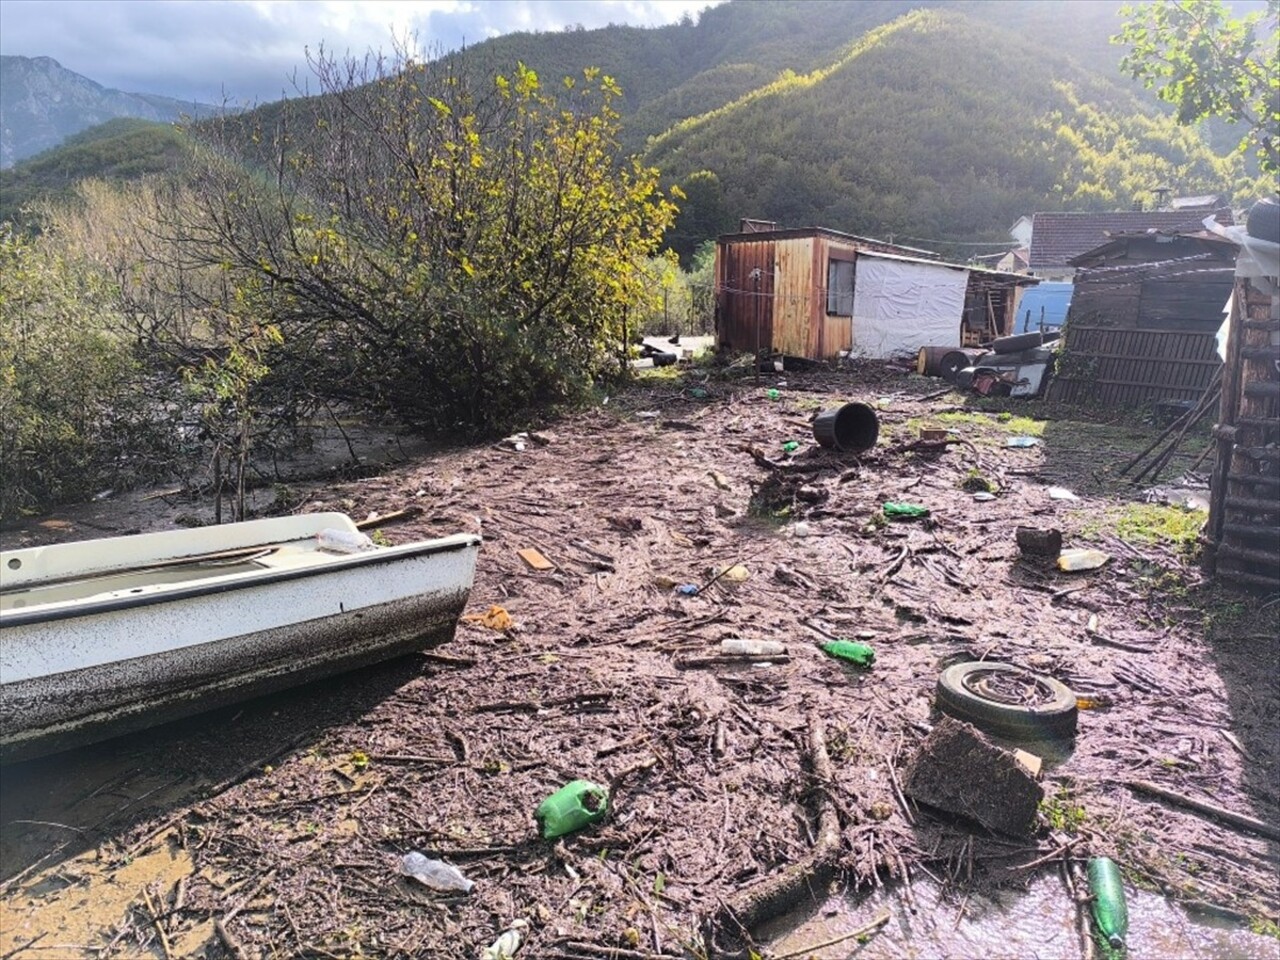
(773, 394)
(734, 574)
(435, 874)
(734, 647)
(1110, 912)
(905, 511)
(1077, 559)
(982, 496)
(572, 807)
(1061, 493)
(687, 590)
(801, 529)
(1022, 442)
(343, 541)
(505, 947)
(791, 446)
(859, 654)
(495, 618)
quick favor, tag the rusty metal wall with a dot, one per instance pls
(1125, 367)
(1243, 537)
(740, 312)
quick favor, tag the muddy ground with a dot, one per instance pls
(275, 828)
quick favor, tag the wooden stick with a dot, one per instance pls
(395, 516)
(1209, 809)
(155, 921)
(229, 941)
(862, 931)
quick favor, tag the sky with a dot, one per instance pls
(246, 51)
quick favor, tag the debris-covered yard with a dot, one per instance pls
(276, 829)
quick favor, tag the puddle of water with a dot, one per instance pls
(77, 906)
(1039, 922)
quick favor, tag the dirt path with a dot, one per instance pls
(293, 812)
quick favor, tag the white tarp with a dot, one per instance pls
(900, 306)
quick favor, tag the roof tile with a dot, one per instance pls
(1057, 237)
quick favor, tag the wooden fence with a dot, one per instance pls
(1127, 367)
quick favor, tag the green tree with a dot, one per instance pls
(704, 215)
(1209, 64)
(75, 411)
(457, 252)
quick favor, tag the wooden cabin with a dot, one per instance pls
(1142, 320)
(817, 293)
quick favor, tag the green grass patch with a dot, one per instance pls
(1016, 424)
(1147, 523)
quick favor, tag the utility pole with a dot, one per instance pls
(755, 276)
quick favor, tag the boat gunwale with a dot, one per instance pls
(75, 609)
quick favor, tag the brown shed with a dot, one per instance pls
(1143, 317)
(792, 291)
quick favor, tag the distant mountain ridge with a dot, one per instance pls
(42, 103)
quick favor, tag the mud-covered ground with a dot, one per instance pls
(275, 828)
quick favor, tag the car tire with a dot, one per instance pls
(960, 693)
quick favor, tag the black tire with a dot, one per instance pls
(957, 696)
(1264, 220)
(1023, 341)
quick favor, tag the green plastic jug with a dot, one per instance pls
(571, 808)
(859, 654)
(1110, 912)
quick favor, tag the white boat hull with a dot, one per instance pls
(82, 668)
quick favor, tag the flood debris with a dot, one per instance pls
(535, 559)
(723, 798)
(1039, 542)
(577, 804)
(1077, 559)
(435, 874)
(958, 770)
(1110, 912)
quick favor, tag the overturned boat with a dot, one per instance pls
(107, 636)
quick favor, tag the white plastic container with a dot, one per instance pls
(751, 648)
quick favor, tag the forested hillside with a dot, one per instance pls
(118, 150)
(936, 126)
(931, 119)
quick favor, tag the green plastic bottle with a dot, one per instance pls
(859, 654)
(773, 394)
(791, 446)
(1109, 910)
(904, 511)
(571, 808)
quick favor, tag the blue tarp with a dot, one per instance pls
(1047, 302)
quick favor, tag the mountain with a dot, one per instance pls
(42, 103)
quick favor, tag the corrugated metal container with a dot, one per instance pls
(1243, 538)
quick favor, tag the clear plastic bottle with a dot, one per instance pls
(435, 874)
(343, 541)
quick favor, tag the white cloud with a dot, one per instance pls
(248, 49)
